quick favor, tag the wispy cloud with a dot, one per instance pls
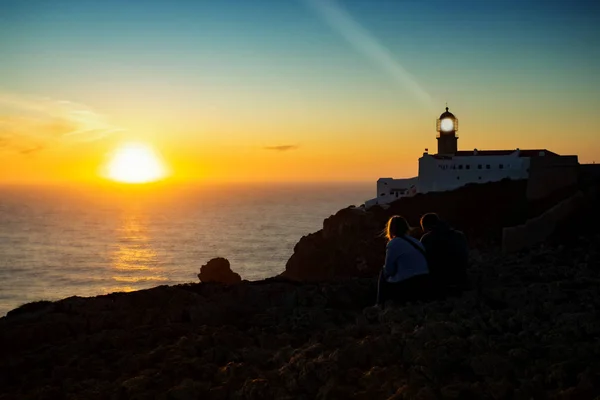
(34, 149)
(342, 22)
(30, 124)
(285, 147)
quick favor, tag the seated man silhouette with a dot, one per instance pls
(447, 255)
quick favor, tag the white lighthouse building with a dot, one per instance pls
(451, 168)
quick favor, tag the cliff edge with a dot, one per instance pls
(351, 241)
(529, 329)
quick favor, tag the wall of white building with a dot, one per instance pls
(395, 187)
(389, 189)
(443, 174)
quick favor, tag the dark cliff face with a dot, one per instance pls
(349, 244)
(529, 330)
(351, 241)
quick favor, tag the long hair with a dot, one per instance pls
(396, 226)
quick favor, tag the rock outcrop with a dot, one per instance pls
(349, 245)
(351, 242)
(218, 270)
(539, 229)
(529, 329)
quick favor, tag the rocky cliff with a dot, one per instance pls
(529, 329)
(351, 241)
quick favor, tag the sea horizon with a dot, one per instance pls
(58, 241)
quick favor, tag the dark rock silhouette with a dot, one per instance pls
(529, 329)
(351, 243)
(218, 270)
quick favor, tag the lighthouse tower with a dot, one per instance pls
(447, 125)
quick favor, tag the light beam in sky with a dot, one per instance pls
(343, 23)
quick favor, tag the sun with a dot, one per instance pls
(135, 163)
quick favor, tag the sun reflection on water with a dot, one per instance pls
(135, 264)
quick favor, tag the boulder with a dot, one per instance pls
(218, 270)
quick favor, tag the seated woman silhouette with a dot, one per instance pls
(405, 275)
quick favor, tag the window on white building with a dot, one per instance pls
(460, 166)
(501, 166)
(479, 166)
(467, 166)
(488, 166)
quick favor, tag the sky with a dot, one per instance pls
(294, 90)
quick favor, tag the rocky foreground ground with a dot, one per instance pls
(530, 328)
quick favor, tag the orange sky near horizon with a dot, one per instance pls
(353, 148)
(301, 91)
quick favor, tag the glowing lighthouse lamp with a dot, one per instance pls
(447, 125)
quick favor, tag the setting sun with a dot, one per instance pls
(135, 163)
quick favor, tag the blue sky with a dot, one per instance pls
(508, 65)
(258, 38)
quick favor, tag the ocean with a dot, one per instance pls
(57, 242)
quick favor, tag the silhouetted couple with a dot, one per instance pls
(435, 267)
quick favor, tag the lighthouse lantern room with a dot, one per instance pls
(447, 126)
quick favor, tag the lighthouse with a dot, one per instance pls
(451, 168)
(447, 126)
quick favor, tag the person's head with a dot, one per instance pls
(396, 226)
(429, 221)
